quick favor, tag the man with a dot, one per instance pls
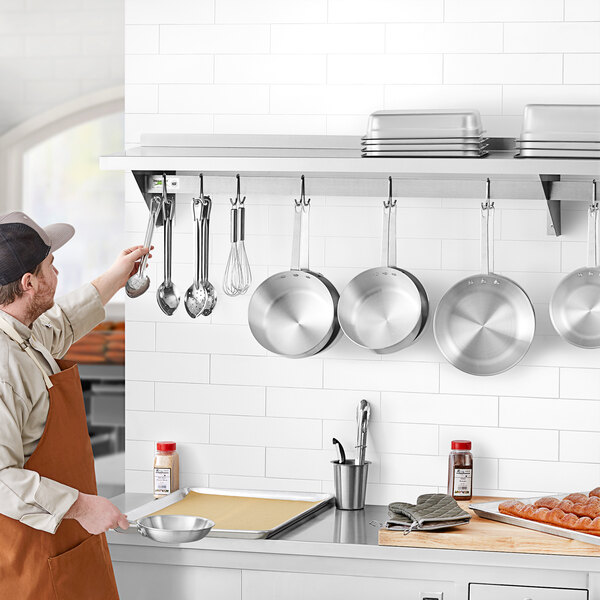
(52, 521)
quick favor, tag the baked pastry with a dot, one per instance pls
(576, 497)
(553, 516)
(589, 508)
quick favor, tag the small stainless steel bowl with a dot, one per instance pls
(174, 529)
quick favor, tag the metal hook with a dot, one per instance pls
(594, 203)
(238, 199)
(487, 204)
(238, 202)
(164, 187)
(201, 176)
(303, 199)
(389, 203)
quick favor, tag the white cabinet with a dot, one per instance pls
(160, 582)
(270, 585)
(482, 591)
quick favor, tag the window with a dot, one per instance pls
(63, 183)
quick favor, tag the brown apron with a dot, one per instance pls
(70, 564)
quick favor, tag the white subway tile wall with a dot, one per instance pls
(245, 418)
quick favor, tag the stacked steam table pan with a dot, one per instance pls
(424, 133)
(560, 131)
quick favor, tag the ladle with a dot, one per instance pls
(195, 297)
(137, 284)
(167, 295)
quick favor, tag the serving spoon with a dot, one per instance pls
(167, 295)
(195, 296)
(211, 296)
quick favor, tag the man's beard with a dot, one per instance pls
(42, 301)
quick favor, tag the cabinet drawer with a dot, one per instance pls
(483, 591)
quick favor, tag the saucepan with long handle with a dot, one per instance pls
(294, 313)
(385, 308)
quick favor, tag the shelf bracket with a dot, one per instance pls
(150, 185)
(554, 214)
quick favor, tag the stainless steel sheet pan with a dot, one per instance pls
(365, 140)
(489, 510)
(535, 153)
(561, 122)
(423, 147)
(323, 500)
(557, 145)
(424, 123)
(432, 154)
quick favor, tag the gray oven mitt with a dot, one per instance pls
(432, 511)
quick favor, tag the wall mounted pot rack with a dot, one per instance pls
(335, 167)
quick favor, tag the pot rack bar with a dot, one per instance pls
(333, 166)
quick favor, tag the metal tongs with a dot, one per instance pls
(138, 283)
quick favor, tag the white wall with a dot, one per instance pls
(52, 52)
(243, 418)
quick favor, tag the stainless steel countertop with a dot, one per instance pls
(329, 526)
(330, 534)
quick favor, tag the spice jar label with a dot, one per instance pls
(462, 482)
(162, 481)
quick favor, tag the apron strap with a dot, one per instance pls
(12, 333)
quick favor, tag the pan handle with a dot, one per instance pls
(597, 232)
(305, 237)
(300, 250)
(392, 236)
(485, 258)
(487, 233)
(296, 236)
(388, 244)
(593, 230)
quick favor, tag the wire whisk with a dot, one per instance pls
(238, 275)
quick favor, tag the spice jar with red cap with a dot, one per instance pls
(166, 469)
(460, 470)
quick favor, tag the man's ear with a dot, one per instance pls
(27, 282)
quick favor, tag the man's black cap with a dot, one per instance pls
(24, 244)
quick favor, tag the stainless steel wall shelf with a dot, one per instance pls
(334, 164)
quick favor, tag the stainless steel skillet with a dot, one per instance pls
(294, 313)
(485, 323)
(575, 304)
(384, 309)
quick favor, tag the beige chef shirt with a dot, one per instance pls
(24, 401)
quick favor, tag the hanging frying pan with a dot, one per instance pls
(485, 323)
(385, 308)
(575, 304)
(294, 313)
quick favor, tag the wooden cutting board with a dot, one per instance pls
(492, 536)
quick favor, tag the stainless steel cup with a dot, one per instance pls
(350, 482)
